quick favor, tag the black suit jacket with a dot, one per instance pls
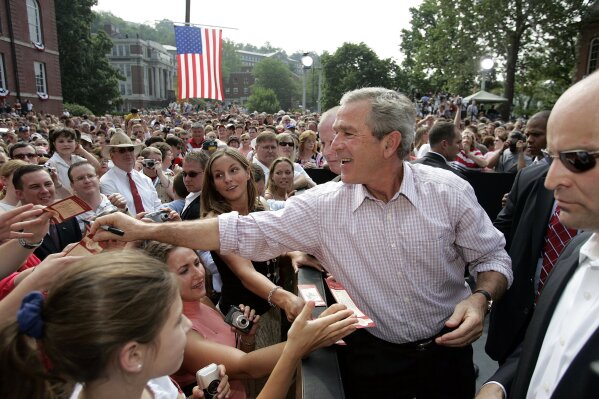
(523, 222)
(68, 232)
(192, 212)
(581, 379)
(437, 161)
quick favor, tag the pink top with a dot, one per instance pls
(210, 325)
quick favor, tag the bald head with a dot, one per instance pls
(573, 130)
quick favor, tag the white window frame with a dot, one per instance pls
(3, 84)
(34, 22)
(593, 60)
(41, 78)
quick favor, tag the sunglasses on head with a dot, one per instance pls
(286, 144)
(191, 174)
(576, 161)
(123, 150)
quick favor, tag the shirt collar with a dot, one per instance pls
(590, 251)
(407, 189)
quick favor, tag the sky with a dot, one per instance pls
(305, 26)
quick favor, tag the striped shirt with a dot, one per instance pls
(402, 262)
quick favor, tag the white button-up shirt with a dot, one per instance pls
(117, 181)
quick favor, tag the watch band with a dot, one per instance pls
(487, 295)
(30, 245)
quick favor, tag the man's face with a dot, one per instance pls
(266, 152)
(360, 153)
(454, 146)
(123, 158)
(573, 125)
(26, 154)
(138, 132)
(24, 135)
(38, 188)
(327, 134)
(536, 136)
(193, 176)
(197, 134)
(85, 181)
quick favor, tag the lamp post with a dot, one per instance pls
(486, 64)
(306, 64)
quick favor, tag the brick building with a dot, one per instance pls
(588, 53)
(29, 65)
(149, 69)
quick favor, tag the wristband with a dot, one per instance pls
(30, 245)
(270, 293)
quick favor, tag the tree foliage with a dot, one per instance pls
(353, 66)
(533, 43)
(273, 74)
(87, 77)
(263, 99)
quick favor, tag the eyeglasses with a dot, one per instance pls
(85, 177)
(191, 174)
(23, 156)
(576, 161)
(285, 144)
(124, 150)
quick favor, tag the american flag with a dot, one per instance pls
(199, 59)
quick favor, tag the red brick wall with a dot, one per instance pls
(26, 55)
(588, 33)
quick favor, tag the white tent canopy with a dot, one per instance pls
(485, 97)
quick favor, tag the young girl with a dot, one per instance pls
(101, 332)
(66, 150)
(280, 180)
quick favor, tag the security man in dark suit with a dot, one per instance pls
(559, 356)
(445, 141)
(523, 221)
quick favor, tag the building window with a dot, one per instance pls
(40, 77)
(246, 90)
(2, 73)
(235, 90)
(34, 21)
(593, 55)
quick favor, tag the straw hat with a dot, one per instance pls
(120, 140)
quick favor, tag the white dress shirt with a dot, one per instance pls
(402, 262)
(117, 181)
(572, 324)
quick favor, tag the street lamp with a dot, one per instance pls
(486, 64)
(306, 63)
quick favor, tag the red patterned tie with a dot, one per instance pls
(139, 206)
(556, 238)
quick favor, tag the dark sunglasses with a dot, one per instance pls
(191, 174)
(576, 161)
(286, 144)
(23, 156)
(123, 150)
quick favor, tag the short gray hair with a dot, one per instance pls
(390, 111)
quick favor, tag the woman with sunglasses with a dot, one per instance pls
(101, 332)
(287, 144)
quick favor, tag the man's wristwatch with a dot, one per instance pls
(487, 295)
(30, 245)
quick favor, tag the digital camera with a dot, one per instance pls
(208, 379)
(149, 163)
(158, 216)
(237, 319)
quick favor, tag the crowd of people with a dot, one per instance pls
(218, 210)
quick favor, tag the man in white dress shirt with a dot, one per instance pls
(123, 153)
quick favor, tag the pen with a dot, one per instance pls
(110, 229)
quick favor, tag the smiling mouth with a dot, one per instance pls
(231, 188)
(345, 160)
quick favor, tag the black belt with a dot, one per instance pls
(422, 345)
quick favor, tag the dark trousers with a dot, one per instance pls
(373, 368)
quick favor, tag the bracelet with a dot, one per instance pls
(30, 245)
(270, 293)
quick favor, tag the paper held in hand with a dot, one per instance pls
(342, 297)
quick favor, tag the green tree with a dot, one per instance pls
(441, 47)
(231, 60)
(86, 76)
(263, 100)
(273, 74)
(353, 66)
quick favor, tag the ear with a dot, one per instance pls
(19, 194)
(131, 357)
(391, 143)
